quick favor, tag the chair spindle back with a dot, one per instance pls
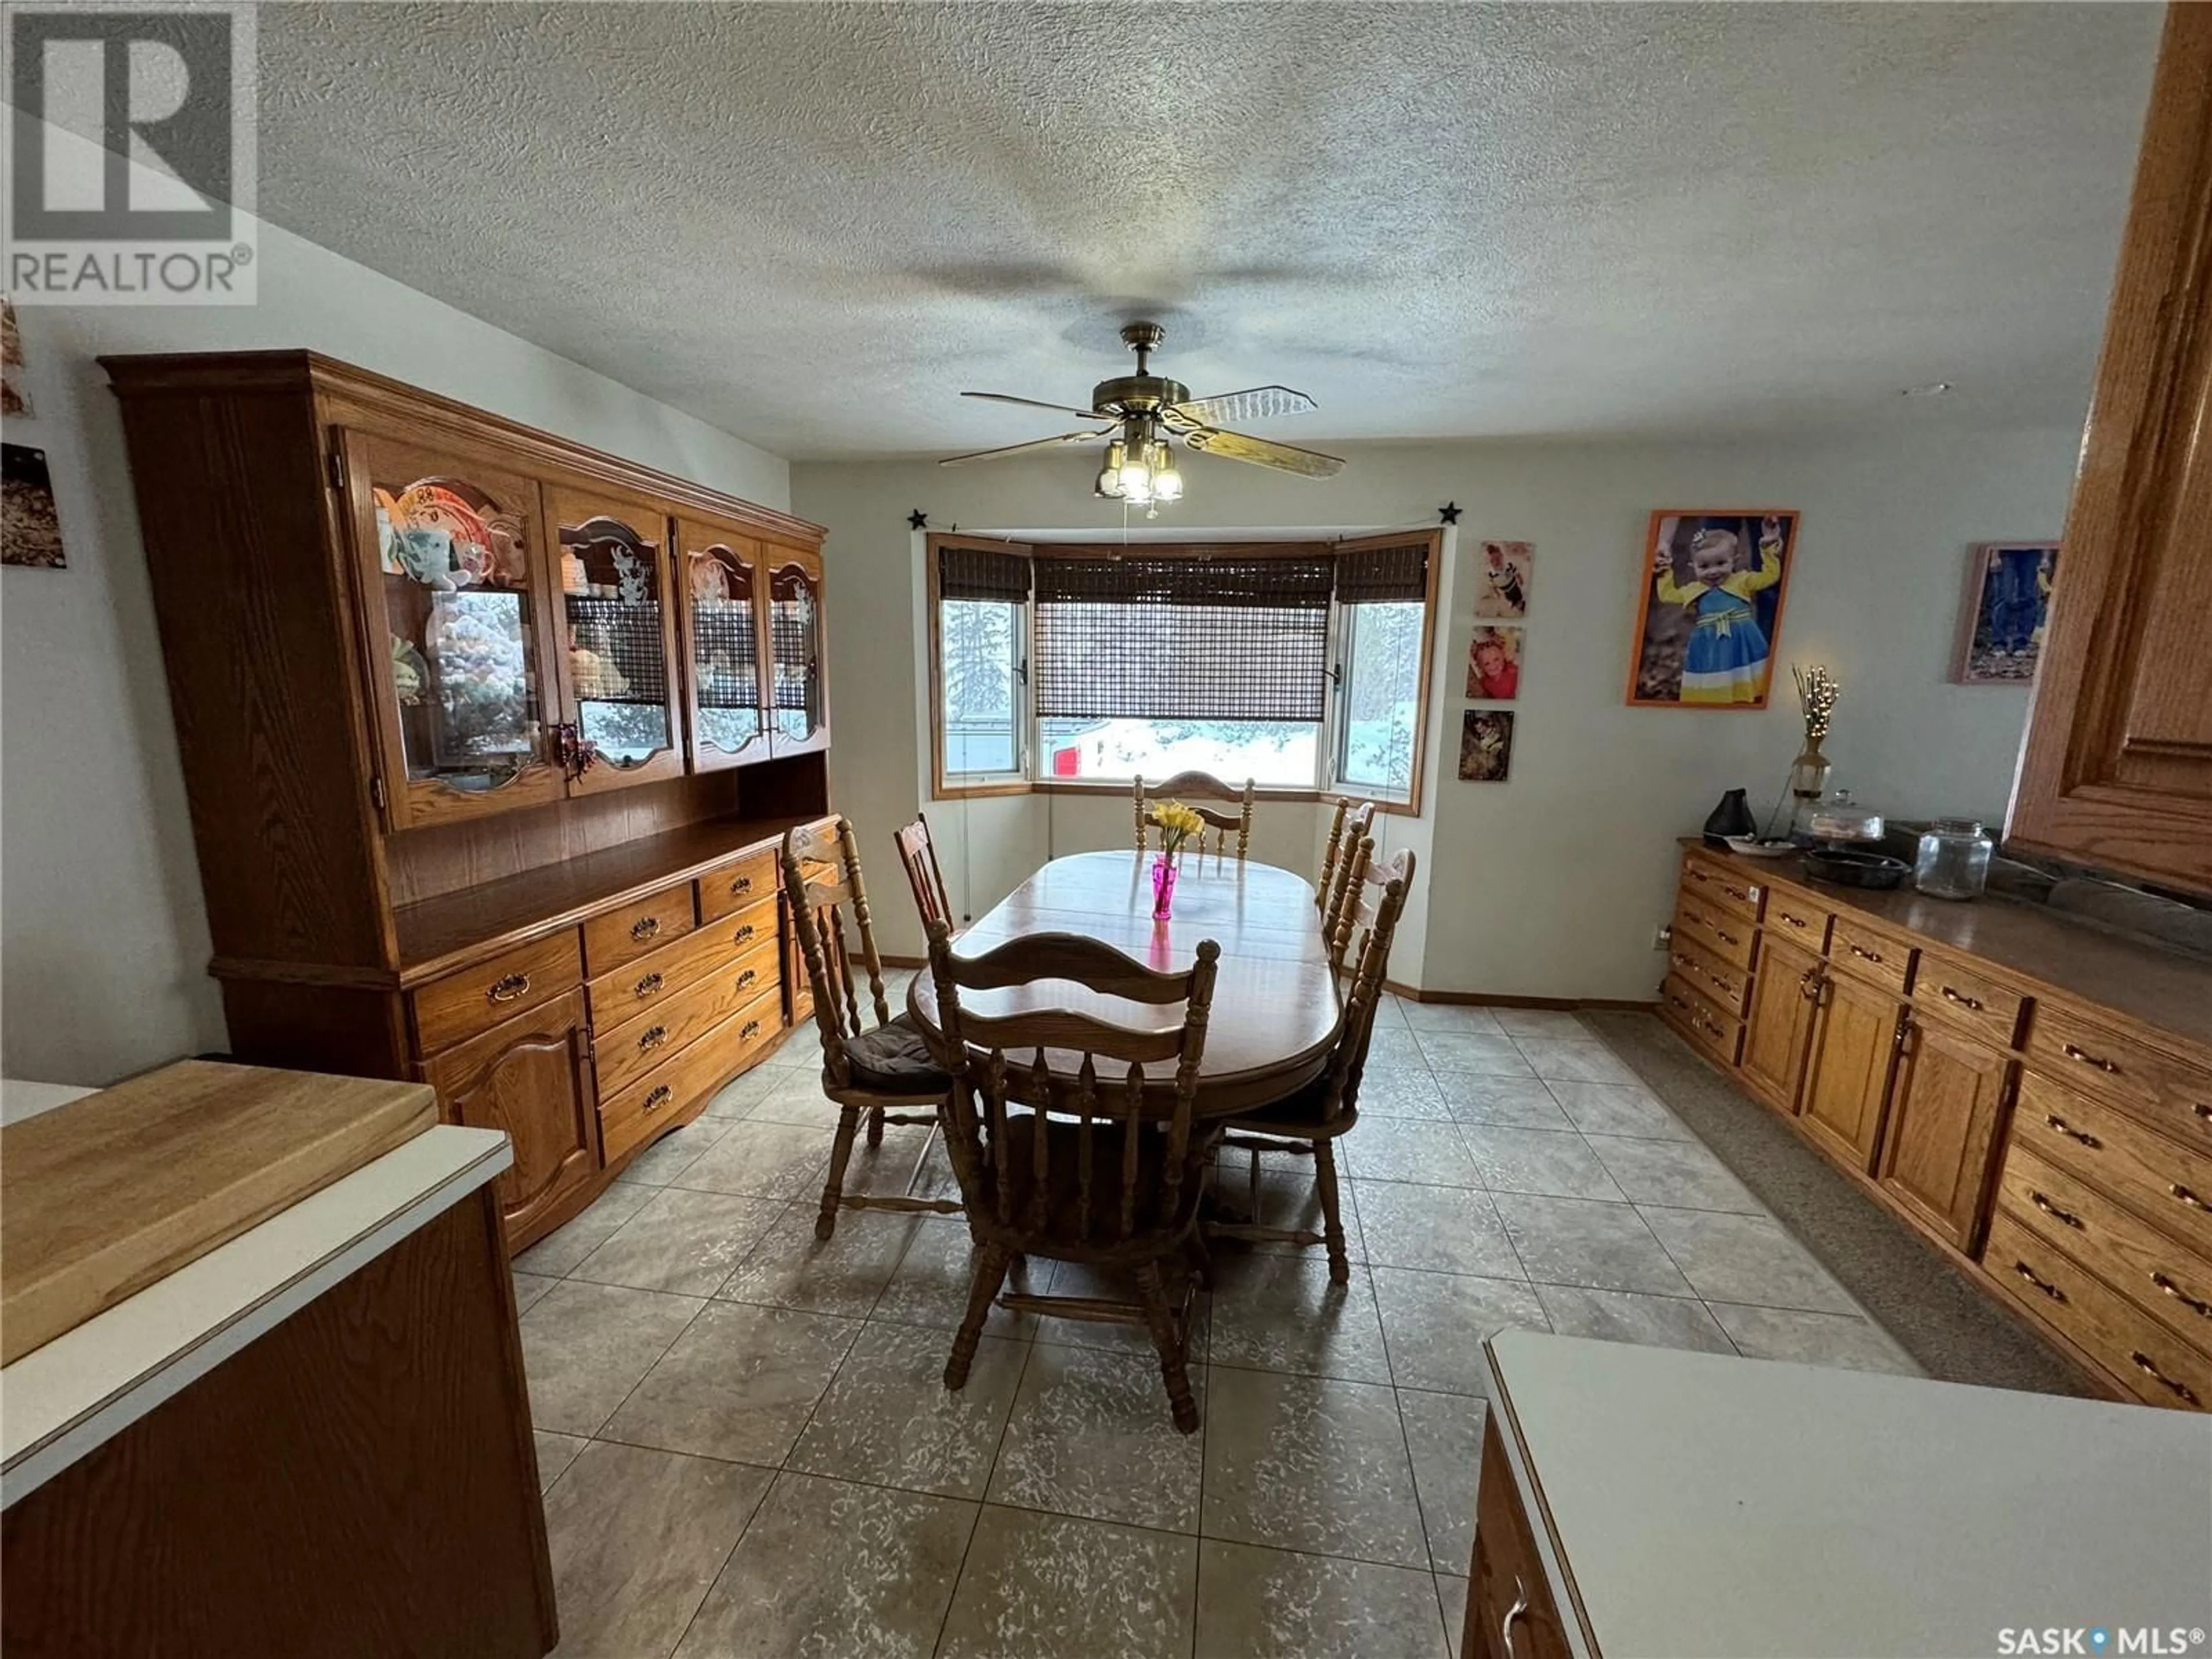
(923, 873)
(820, 882)
(1191, 788)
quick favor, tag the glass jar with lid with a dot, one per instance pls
(1954, 859)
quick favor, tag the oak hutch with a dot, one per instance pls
(488, 739)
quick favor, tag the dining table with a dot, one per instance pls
(1276, 1003)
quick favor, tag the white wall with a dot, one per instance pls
(1552, 884)
(103, 938)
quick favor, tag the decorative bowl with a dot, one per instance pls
(1753, 847)
(1849, 868)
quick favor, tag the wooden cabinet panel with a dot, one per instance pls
(1847, 1070)
(2117, 771)
(663, 1095)
(1856, 949)
(1706, 1026)
(797, 646)
(1714, 932)
(1510, 1614)
(746, 882)
(1797, 915)
(1780, 1028)
(626, 932)
(654, 978)
(1946, 988)
(2098, 1058)
(531, 1078)
(1722, 888)
(616, 655)
(630, 1050)
(1945, 1106)
(722, 606)
(1724, 984)
(2164, 1180)
(452, 1009)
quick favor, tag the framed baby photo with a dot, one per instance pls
(1506, 570)
(1486, 744)
(1493, 663)
(1711, 620)
(2008, 602)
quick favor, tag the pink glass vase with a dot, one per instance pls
(1163, 880)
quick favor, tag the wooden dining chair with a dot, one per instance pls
(1354, 875)
(1105, 1169)
(923, 874)
(1193, 788)
(1344, 834)
(1311, 1121)
(885, 1073)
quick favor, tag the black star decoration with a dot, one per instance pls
(1448, 512)
(918, 520)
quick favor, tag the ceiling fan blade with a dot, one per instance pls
(1034, 443)
(1032, 403)
(1264, 451)
(1256, 404)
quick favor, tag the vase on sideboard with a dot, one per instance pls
(1164, 881)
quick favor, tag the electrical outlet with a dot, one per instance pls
(1662, 936)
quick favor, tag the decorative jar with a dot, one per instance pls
(1954, 859)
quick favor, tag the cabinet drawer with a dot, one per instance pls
(1797, 915)
(1718, 1034)
(1946, 988)
(1722, 888)
(1724, 984)
(1507, 1580)
(743, 932)
(644, 1040)
(626, 933)
(2105, 1146)
(1726, 936)
(656, 977)
(1855, 948)
(631, 1117)
(457, 1008)
(2087, 1055)
(2172, 1283)
(737, 885)
(2149, 1360)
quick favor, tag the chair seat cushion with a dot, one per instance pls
(896, 1060)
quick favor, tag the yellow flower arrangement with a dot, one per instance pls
(1177, 823)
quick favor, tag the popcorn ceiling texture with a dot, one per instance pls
(812, 225)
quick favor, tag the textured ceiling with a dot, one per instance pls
(813, 225)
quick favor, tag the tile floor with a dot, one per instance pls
(747, 1449)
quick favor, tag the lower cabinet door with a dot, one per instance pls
(532, 1078)
(1847, 1074)
(1781, 1021)
(1939, 1149)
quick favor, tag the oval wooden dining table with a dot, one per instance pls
(1276, 1008)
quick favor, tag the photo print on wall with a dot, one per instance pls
(1710, 619)
(1486, 744)
(1508, 567)
(1493, 663)
(2007, 603)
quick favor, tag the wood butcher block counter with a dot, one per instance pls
(2033, 1094)
(1660, 1505)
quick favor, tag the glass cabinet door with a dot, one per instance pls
(456, 615)
(802, 706)
(617, 640)
(721, 596)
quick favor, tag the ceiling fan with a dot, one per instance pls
(1142, 412)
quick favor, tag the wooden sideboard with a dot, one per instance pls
(2031, 1094)
(488, 741)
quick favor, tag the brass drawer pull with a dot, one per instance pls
(2203, 1110)
(1808, 984)
(749, 1029)
(747, 977)
(1795, 922)
(648, 1040)
(2088, 1059)
(2203, 1308)
(1950, 995)
(646, 986)
(742, 885)
(1865, 955)
(659, 1097)
(742, 934)
(1514, 1615)
(2188, 1197)
(508, 987)
(2042, 1285)
(2181, 1390)
(645, 928)
(2073, 1133)
(2057, 1214)
(1724, 938)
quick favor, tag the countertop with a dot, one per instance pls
(1713, 1506)
(2159, 988)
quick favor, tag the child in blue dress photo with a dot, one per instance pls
(1715, 604)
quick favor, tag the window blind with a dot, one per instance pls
(1222, 639)
(1384, 575)
(983, 572)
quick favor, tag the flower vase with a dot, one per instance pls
(1163, 880)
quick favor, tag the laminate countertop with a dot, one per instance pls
(2163, 989)
(1696, 1505)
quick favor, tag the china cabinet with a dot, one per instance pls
(488, 739)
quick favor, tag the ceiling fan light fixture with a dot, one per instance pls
(1167, 479)
(1109, 483)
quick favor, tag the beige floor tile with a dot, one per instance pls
(790, 1268)
(801, 1050)
(555, 1453)
(1435, 1324)
(585, 1346)
(1555, 1163)
(1574, 1060)
(1521, 1102)
(1845, 1341)
(1488, 1052)
(739, 1094)
(1051, 1587)
(1650, 1322)
(528, 1287)
(1470, 1017)
(1453, 1229)
(682, 1241)
(1272, 1604)
(1580, 1241)
(1746, 1259)
(1613, 1108)
(763, 1160)
(1444, 1433)
(1403, 1092)
(1091, 1435)
(1557, 1024)
(740, 1383)
(1280, 1312)
(889, 1418)
(669, 1157)
(1451, 1595)
(1309, 1463)
(883, 1171)
(637, 1537)
(829, 1568)
(798, 1098)
(1081, 1278)
(560, 1249)
(930, 1284)
(1406, 1149)
(1679, 1173)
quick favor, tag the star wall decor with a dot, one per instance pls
(1448, 512)
(918, 520)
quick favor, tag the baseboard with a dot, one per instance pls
(903, 962)
(1486, 999)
